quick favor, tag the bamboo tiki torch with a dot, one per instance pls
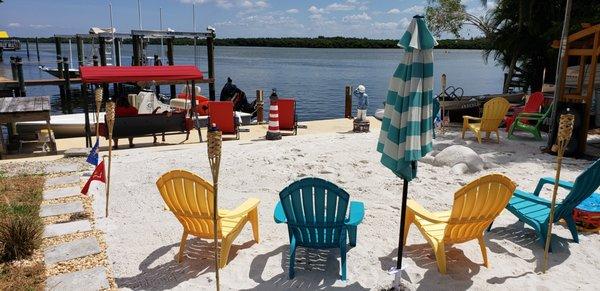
(565, 129)
(98, 97)
(110, 122)
(214, 158)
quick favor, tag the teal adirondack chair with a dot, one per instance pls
(315, 212)
(534, 122)
(535, 210)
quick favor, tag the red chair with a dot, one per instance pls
(221, 114)
(533, 105)
(201, 103)
(288, 119)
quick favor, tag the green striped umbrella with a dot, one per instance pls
(407, 126)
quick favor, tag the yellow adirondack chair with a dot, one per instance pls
(493, 114)
(476, 205)
(191, 199)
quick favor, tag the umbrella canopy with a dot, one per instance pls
(407, 125)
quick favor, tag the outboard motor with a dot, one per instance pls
(231, 92)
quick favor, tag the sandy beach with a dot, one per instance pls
(143, 238)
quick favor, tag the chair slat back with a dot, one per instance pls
(534, 103)
(221, 113)
(191, 199)
(287, 113)
(315, 210)
(493, 113)
(585, 184)
(476, 205)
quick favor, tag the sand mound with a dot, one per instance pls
(460, 158)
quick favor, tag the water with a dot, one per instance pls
(315, 77)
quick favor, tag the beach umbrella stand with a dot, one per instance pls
(565, 130)
(407, 126)
(214, 140)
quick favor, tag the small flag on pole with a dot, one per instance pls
(93, 156)
(97, 175)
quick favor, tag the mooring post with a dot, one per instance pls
(13, 68)
(260, 103)
(117, 50)
(348, 105)
(136, 50)
(1, 54)
(19, 65)
(157, 62)
(37, 48)
(86, 110)
(102, 50)
(59, 67)
(171, 62)
(27, 47)
(79, 41)
(210, 46)
(67, 85)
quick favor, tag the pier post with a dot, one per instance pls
(86, 110)
(37, 48)
(136, 50)
(260, 101)
(1, 54)
(348, 105)
(59, 67)
(210, 46)
(21, 79)
(157, 62)
(13, 68)
(102, 50)
(171, 62)
(27, 47)
(67, 85)
(95, 60)
(79, 42)
(117, 49)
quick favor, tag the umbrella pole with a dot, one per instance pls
(565, 129)
(402, 225)
(214, 158)
(110, 122)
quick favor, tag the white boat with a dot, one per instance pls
(73, 73)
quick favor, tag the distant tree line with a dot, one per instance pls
(318, 42)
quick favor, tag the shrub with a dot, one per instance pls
(19, 237)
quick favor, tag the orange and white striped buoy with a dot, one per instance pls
(273, 133)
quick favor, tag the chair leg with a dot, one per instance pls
(490, 227)
(464, 129)
(253, 218)
(572, 227)
(440, 257)
(410, 217)
(510, 131)
(224, 253)
(498, 136)
(488, 134)
(182, 246)
(343, 259)
(352, 235)
(292, 257)
(483, 251)
(479, 136)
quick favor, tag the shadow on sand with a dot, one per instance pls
(315, 269)
(461, 269)
(198, 260)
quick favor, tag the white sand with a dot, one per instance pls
(143, 238)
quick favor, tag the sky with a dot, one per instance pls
(232, 18)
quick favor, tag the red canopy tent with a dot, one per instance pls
(159, 74)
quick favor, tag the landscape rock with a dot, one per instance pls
(77, 152)
(62, 180)
(60, 168)
(59, 209)
(458, 154)
(59, 229)
(61, 193)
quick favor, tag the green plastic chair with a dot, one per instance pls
(316, 215)
(534, 122)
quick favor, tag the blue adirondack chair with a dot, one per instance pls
(315, 212)
(535, 210)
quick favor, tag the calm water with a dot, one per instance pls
(315, 77)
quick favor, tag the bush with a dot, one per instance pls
(19, 237)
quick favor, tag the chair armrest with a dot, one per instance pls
(356, 214)
(549, 180)
(243, 209)
(419, 211)
(279, 214)
(529, 115)
(531, 197)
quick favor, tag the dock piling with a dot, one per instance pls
(210, 46)
(171, 61)
(21, 79)
(37, 48)
(13, 68)
(27, 47)
(260, 103)
(348, 105)
(67, 85)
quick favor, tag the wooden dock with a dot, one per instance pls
(42, 82)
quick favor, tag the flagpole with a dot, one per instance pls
(565, 130)
(110, 122)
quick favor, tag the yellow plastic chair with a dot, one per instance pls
(191, 199)
(476, 205)
(493, 114)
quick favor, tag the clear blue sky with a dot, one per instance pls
(231, 18)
